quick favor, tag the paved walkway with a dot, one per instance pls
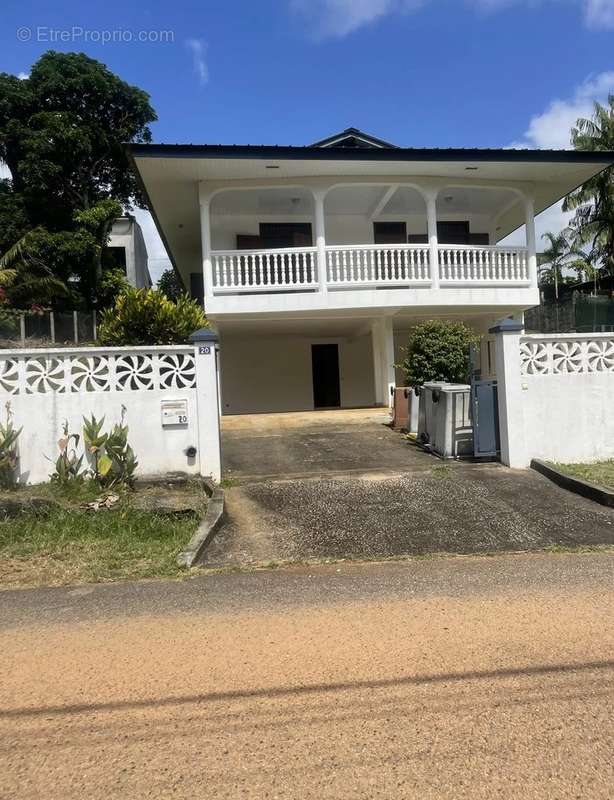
(255, 446)
(438, 680)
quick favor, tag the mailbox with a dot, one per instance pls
(174, 412)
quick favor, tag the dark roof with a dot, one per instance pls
(354, 138)
(317, 153)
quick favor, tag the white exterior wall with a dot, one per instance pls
(47, 387)
(559, 393)
(262, 374)
(341, 229)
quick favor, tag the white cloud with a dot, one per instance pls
(23, 76)
(551, 128)
(599, 13)
(198, 49)
(338, 18)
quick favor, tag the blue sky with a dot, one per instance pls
(417, 72)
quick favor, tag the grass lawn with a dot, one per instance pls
(70, 544)
(601, 472)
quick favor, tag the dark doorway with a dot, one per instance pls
(389, 233)
(325, 369)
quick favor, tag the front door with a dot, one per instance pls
(325, 369)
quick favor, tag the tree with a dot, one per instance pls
(438, 350)
(560, 254)
(170, 284)
(62, 135)
(62, 132)
(63, 268)
(592, 227)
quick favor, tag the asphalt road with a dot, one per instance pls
(453, 678)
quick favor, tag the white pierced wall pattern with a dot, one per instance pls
(566, 356)
(97, 372)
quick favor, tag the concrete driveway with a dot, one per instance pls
(258, 446)
(341, 484)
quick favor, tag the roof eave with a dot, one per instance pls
(282, 152)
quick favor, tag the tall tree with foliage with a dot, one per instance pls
(62, 132)
(593, 224)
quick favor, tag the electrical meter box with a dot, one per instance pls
(174, 412)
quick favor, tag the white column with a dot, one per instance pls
(205, 238)
(320, 226)
(431, 223)
(389, 370)
(529, 209)
(376, 341)
(382, 336)
(206, 352)
(510, 394)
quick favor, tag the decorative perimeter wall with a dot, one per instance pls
(166, 395)
(558, 397)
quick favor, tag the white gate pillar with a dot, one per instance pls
(509, 393)
(208, 403)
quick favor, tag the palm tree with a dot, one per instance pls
(26, 276)
(593, 224)
(561, 253)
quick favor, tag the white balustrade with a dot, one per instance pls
(376, 265)
(347, 266)
(464, 264)
(285, 269)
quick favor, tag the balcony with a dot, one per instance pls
(356, 267)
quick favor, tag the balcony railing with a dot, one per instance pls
(466, 264)
(287, 269)
(377, 265)
(363, 266)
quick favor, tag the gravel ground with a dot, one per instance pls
(500, 686)
(453, 509)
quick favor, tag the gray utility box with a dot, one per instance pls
(444, 423)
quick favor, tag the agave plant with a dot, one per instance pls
(8, 450)
(95, 441)
(68, 463)
(113, 459)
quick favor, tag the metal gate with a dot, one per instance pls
(485, 417)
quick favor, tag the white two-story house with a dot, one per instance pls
(314, 262)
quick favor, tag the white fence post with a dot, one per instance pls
(208, 403)
(509, 391)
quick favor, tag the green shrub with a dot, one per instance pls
(147, 317)
(438, 350)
